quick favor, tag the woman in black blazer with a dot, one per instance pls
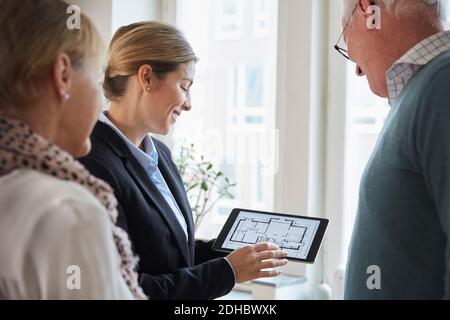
(150, 71)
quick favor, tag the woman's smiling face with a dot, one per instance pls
(168, 98)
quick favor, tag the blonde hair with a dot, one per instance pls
(156, 44)
(33, 33)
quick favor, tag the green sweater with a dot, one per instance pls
(403, 220)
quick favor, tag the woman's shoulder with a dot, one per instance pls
(25, 191)
(107, 143)
(35, 181)
(46, 223)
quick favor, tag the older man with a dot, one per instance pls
(401, 241)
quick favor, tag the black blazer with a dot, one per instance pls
(169, 267)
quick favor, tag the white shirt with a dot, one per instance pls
(47, 226)
(412, 61)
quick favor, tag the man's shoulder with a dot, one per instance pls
(436, 71)
(430, 86)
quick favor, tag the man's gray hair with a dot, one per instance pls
(399, 7)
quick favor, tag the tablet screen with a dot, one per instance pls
(292, 234)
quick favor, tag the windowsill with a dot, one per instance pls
(246, 291)
(280, 281)
(237, 295)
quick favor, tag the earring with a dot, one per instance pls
(65, 95)
(148, 89)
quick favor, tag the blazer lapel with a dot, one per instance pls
(178, 191)
(140, 176)
(142, 180)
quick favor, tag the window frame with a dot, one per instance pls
(259, 16)
(221, 19)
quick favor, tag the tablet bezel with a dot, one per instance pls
(315, 246)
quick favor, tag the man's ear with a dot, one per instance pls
(372, 14)
(62, 76)
(364, 4)
(145, 77)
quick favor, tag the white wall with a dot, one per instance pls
(311, 119)
(108, 15)
(335, 146)
(100, 12)
(130, 11)
(293, 110)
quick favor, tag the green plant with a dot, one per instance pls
(204, 185)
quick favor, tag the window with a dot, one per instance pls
(248, 83)
(262, 24)
(366, 115)
(228, 19)
(254, 86)
(233, 116)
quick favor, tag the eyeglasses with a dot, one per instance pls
(343, 51)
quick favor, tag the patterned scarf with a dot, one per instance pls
(21, 148)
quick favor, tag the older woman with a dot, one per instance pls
(150, 71)
(58, 238)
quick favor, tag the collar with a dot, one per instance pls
(147, 158)
(405, 68)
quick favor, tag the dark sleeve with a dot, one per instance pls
(205, 281)
(433, 147)
(205, 252)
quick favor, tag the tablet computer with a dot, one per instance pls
(300, 236)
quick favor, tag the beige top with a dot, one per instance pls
(55, 241)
